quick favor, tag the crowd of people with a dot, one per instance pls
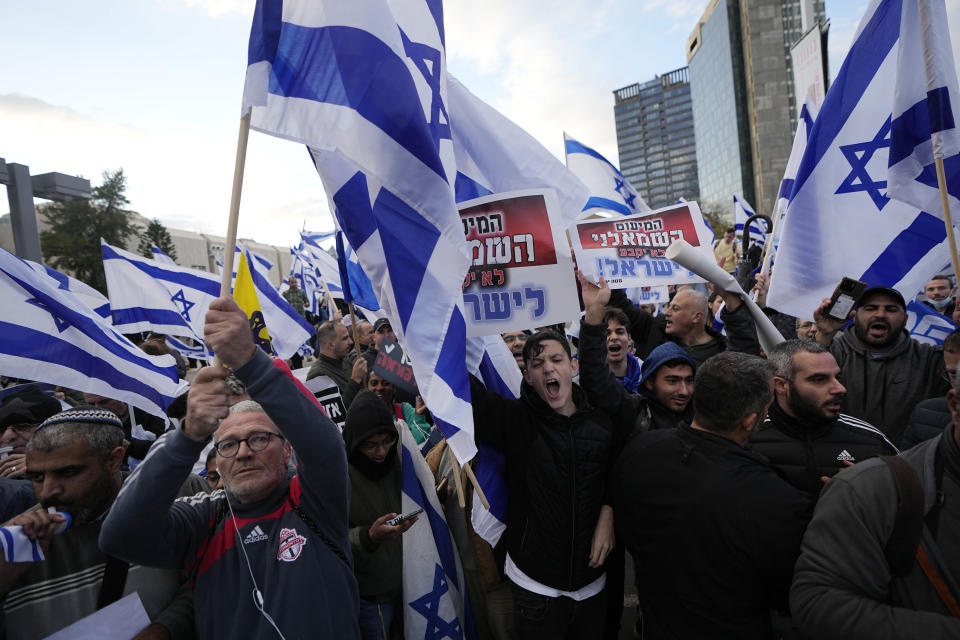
(807, 492)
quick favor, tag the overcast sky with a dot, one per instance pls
(154, 86)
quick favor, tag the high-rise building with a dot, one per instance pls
(742, 93)
(655, 138)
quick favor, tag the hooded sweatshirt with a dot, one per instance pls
(375, 491)
(883, 388)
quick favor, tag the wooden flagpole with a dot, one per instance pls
(947, 220)
(230, 247)
(457, 481)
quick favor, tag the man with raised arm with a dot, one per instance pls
(270, 553)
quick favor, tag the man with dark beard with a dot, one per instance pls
(74, 460)
(805, 435)
(886, 372)
(375, 485)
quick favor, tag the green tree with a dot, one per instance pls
(72, 240)
(156, 234)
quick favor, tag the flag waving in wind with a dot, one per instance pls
(842, 219)
(380, 138)
(246, 296)
(609, 189)
(741, 213)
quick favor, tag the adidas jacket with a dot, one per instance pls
(804, 452)
(307, 589)
(842, 586)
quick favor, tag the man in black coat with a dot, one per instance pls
(805, 435)
(930, 417)
(558, 452)
(713, 529)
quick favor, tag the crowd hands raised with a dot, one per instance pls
(759, 495)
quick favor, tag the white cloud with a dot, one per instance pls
(181, 176)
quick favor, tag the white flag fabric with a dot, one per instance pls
(147, 295)
(494, 155)
(83, 292)
(50, 335)
(434, 588)
(926, 109)
(807, 116)
(609, 189)
(380, 138)
(160, 255)
(841, 220)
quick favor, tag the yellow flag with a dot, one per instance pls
(246, 296)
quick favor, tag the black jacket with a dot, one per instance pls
(557, 470)
(928, 420)
(714, 532)
(805, 451)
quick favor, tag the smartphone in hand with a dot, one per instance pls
(846, 295)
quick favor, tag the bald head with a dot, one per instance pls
(687, 313)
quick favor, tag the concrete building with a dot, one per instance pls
(655, 138)
(742, 93)
(194, 250)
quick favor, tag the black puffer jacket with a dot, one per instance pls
(557, 470)
(805, 451)
(928, 420)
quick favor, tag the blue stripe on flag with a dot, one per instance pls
(861, 64)
(7, 543)
(941, 112)
(24, 342)
(466, 188)
(354, 198)
(153, 316)
(265, 31)
(572, 146)
(438, 526)
(450, 367)
(264, 288)
(951, 169)
(786, 188)
(606, 203)
(206, 285)
(910, 129)
(901, 255)
(353, 68)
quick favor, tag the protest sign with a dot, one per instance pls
(521, 275)
(648, 295)
(327, 393)
(393, 366)
(629, 251)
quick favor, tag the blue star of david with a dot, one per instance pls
(858, 155)
(421, 54)
(625, 192)
(428, 606)
(57, 320)
(179, 298)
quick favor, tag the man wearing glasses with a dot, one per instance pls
(270, 553)
(20, 413)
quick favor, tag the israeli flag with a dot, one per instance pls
(489, 359)
(160, 255)
(288, 329)
(380, 138)
(316, 237)
(49, 334)
(357, 287)
(741, 213)
(82, 291)
(609, 189)
(147, 295)
(927, 325)
(926, 109)
(326, 267)
(434, 590)
(494, 155)
(301, 267)
(841, 220)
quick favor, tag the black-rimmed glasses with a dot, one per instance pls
(256, 441)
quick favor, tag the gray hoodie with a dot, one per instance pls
(883, 388)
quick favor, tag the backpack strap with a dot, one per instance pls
(901, 548)
(938, 583)
(114, 581)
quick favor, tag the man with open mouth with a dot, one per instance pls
(885, 371)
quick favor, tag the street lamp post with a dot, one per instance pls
(22, 188)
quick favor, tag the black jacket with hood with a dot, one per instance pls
(557, 469)
(883, 388)
(374, 492)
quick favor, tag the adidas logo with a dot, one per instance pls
(844, 456)
(256, 535)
